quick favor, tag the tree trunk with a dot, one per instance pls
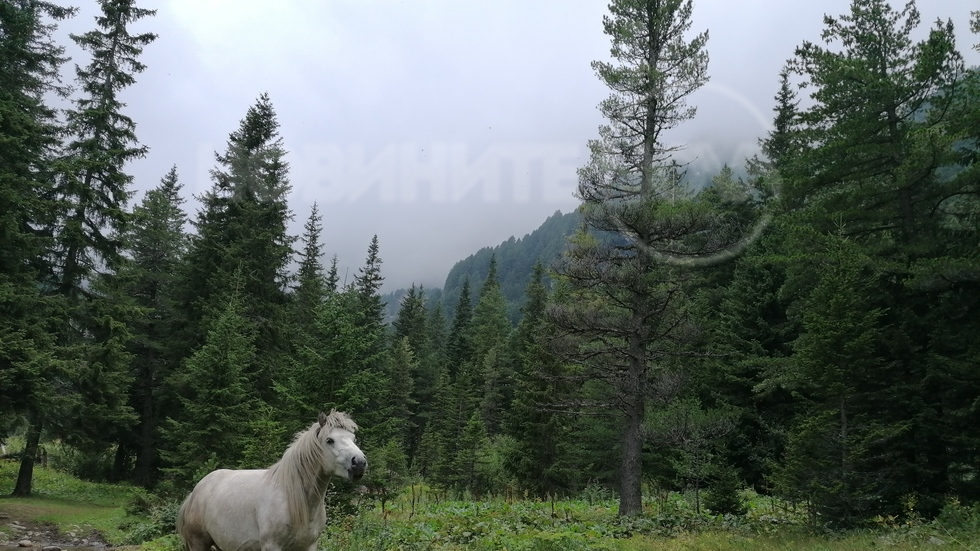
(146, 456)
(631, 468)
(25, 475)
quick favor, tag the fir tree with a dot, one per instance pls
(92, 191)
(29, 136)
(539, 458)
(312, 286)
(243, 227)
(489, 328)
(216, 396)
(411, 327)
(367, 285)
(156, 243)
(459, 343)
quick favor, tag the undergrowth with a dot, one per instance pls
(421, 519)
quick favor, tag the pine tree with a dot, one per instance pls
(627, 311)
(873, 162)
(539, 459)
(312, 287)
(29, 136)
(156, 243)
(216, 396)
(243, 227)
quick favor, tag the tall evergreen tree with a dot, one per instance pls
(490, 329)
(365, 380)
(876, 165)
(311, 288)
(92, 185)
(243, 227)
(91, 188)
(533, 419)
(626, 310)
(837, 369)
(216, 396)
(156, 242)
(411, 326)
(29, 137)
(367, 286)
(459, 342)
(399, 396)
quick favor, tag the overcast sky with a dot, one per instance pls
(442, 126)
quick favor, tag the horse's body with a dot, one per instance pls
(275, 509)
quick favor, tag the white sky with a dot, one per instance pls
(442, 126)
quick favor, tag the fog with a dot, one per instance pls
(440, 126)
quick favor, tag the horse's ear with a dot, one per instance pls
(322, 418)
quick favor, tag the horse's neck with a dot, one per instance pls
(303, 475)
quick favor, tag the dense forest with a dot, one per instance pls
(808, 330)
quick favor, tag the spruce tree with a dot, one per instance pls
(837, 370)
(156, 244)
(92, 190)
(311, 283)
(539, 458)
(490, 328)
(877, 167)
(459, 342)
(92, 185)
(29, 137)
(364, 380)
(242, 227)
(411, 326)
(216, 395)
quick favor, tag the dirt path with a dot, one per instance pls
(15, 530)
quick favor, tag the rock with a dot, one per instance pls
(50, 548)
(25, 543)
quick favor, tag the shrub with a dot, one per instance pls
(161, 522)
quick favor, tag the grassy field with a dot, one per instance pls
(65, 502)
(592, 525)
(419, 520)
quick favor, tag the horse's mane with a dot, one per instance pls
(299, 468)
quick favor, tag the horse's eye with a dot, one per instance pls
(329, 440)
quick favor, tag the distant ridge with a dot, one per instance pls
(515, 262)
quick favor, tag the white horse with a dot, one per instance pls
(275, 509)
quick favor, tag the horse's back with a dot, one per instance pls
(221, 510)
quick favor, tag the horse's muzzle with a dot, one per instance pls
(357, 467)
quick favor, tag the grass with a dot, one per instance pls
(669, 525)
(69, 504)
(423, 520)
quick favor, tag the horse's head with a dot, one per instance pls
(342, 457)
